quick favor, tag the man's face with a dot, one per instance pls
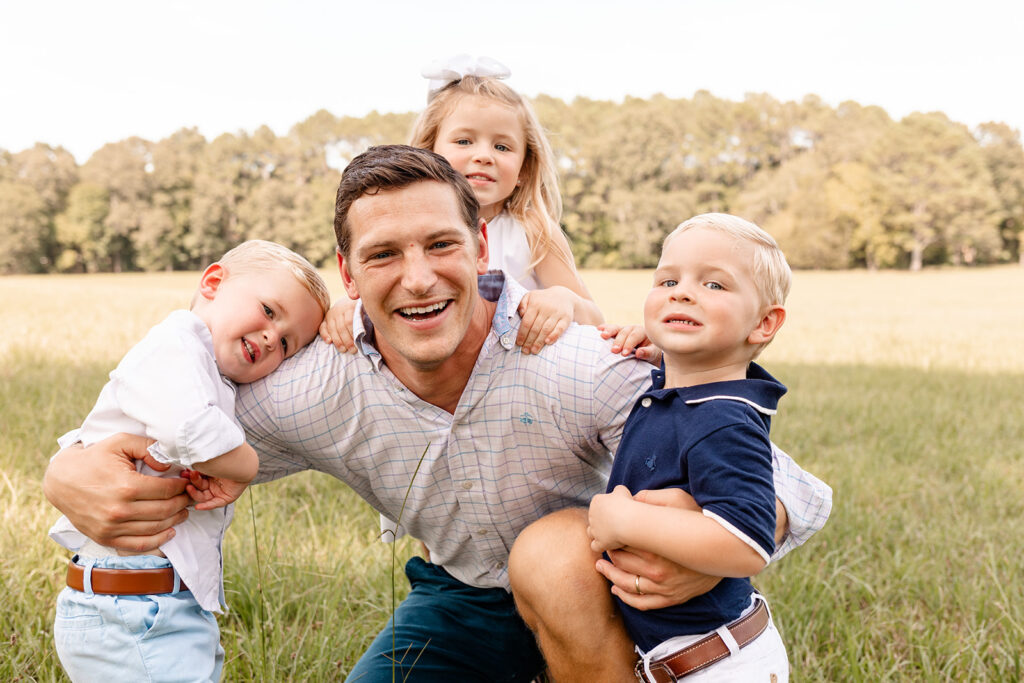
(414, 263)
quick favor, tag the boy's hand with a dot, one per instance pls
(663, 582)
(607, 511)
(210, 493)
(546, 314)
(627, 339)
(337, 325)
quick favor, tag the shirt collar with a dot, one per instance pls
(759, 390)
(494, 285)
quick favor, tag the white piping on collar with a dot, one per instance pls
(755, 406)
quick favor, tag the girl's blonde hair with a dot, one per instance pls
(535, 202)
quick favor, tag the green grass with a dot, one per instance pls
(916, 577)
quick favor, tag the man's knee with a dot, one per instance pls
(552, 556)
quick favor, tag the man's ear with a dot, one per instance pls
(483, 255)
(346, 277)
(213, 277)
(769, 325)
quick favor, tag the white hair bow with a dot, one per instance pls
(443, 72)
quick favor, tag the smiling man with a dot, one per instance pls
(505, 439)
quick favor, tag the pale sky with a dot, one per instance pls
(81, 74)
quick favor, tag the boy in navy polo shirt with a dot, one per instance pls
(717, 301)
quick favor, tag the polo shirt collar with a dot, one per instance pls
(759, 390)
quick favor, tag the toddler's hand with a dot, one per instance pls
(546, 314)
(606, 511)
(337, 325)
(211, 492)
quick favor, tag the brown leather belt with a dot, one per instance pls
(124, 581)
(705, 651)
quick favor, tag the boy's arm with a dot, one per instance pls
(685, 537)
(239, 464)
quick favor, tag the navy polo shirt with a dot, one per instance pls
(710, 440)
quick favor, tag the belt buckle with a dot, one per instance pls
(656, 668)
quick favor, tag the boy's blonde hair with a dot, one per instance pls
(254, 256)
(772, 274)
(535, 202)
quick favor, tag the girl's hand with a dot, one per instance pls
(337, 325)
(607, 510)
(211, 492)
(631, 339)
(546, 314)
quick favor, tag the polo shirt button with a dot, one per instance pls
(467, 485)
(646, 402)
(506, 341)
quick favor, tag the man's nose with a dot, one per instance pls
(418, 274)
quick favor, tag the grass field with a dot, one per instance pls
(906, 395)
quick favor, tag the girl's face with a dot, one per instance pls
(484, 140)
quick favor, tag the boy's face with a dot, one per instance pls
(256, 319)
(705, 307)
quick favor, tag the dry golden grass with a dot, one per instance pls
(956, 319)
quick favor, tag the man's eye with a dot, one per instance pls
(440, 245)
(268, 310)
(380, 255)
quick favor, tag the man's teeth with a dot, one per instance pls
(423, 310)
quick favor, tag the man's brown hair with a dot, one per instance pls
(392, 167)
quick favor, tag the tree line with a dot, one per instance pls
(839, 187)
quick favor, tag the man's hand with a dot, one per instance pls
(98, 489)
(662, 582)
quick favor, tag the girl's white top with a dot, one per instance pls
(168, 387)
(509, 250)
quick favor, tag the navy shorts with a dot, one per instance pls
(447, 631)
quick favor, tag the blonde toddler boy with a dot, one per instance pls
(149, 616)
(717, 301)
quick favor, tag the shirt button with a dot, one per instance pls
(499, 565)
(506, 341)
(482, 532)
(467, 485)
(646, 402)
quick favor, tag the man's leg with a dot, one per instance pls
(567, 603)
(447, 631)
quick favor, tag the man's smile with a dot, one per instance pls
(423, 312)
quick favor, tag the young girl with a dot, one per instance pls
(490, 134)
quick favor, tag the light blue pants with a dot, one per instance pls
(110, 638)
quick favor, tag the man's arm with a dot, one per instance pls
(100, 491)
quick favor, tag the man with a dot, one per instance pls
(505, 438)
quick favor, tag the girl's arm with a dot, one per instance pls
(547, 312)
(337, 325)
(685, 537)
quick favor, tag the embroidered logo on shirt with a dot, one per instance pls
(526, 419)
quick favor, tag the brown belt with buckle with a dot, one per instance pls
(124, 581)
(705, 651)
